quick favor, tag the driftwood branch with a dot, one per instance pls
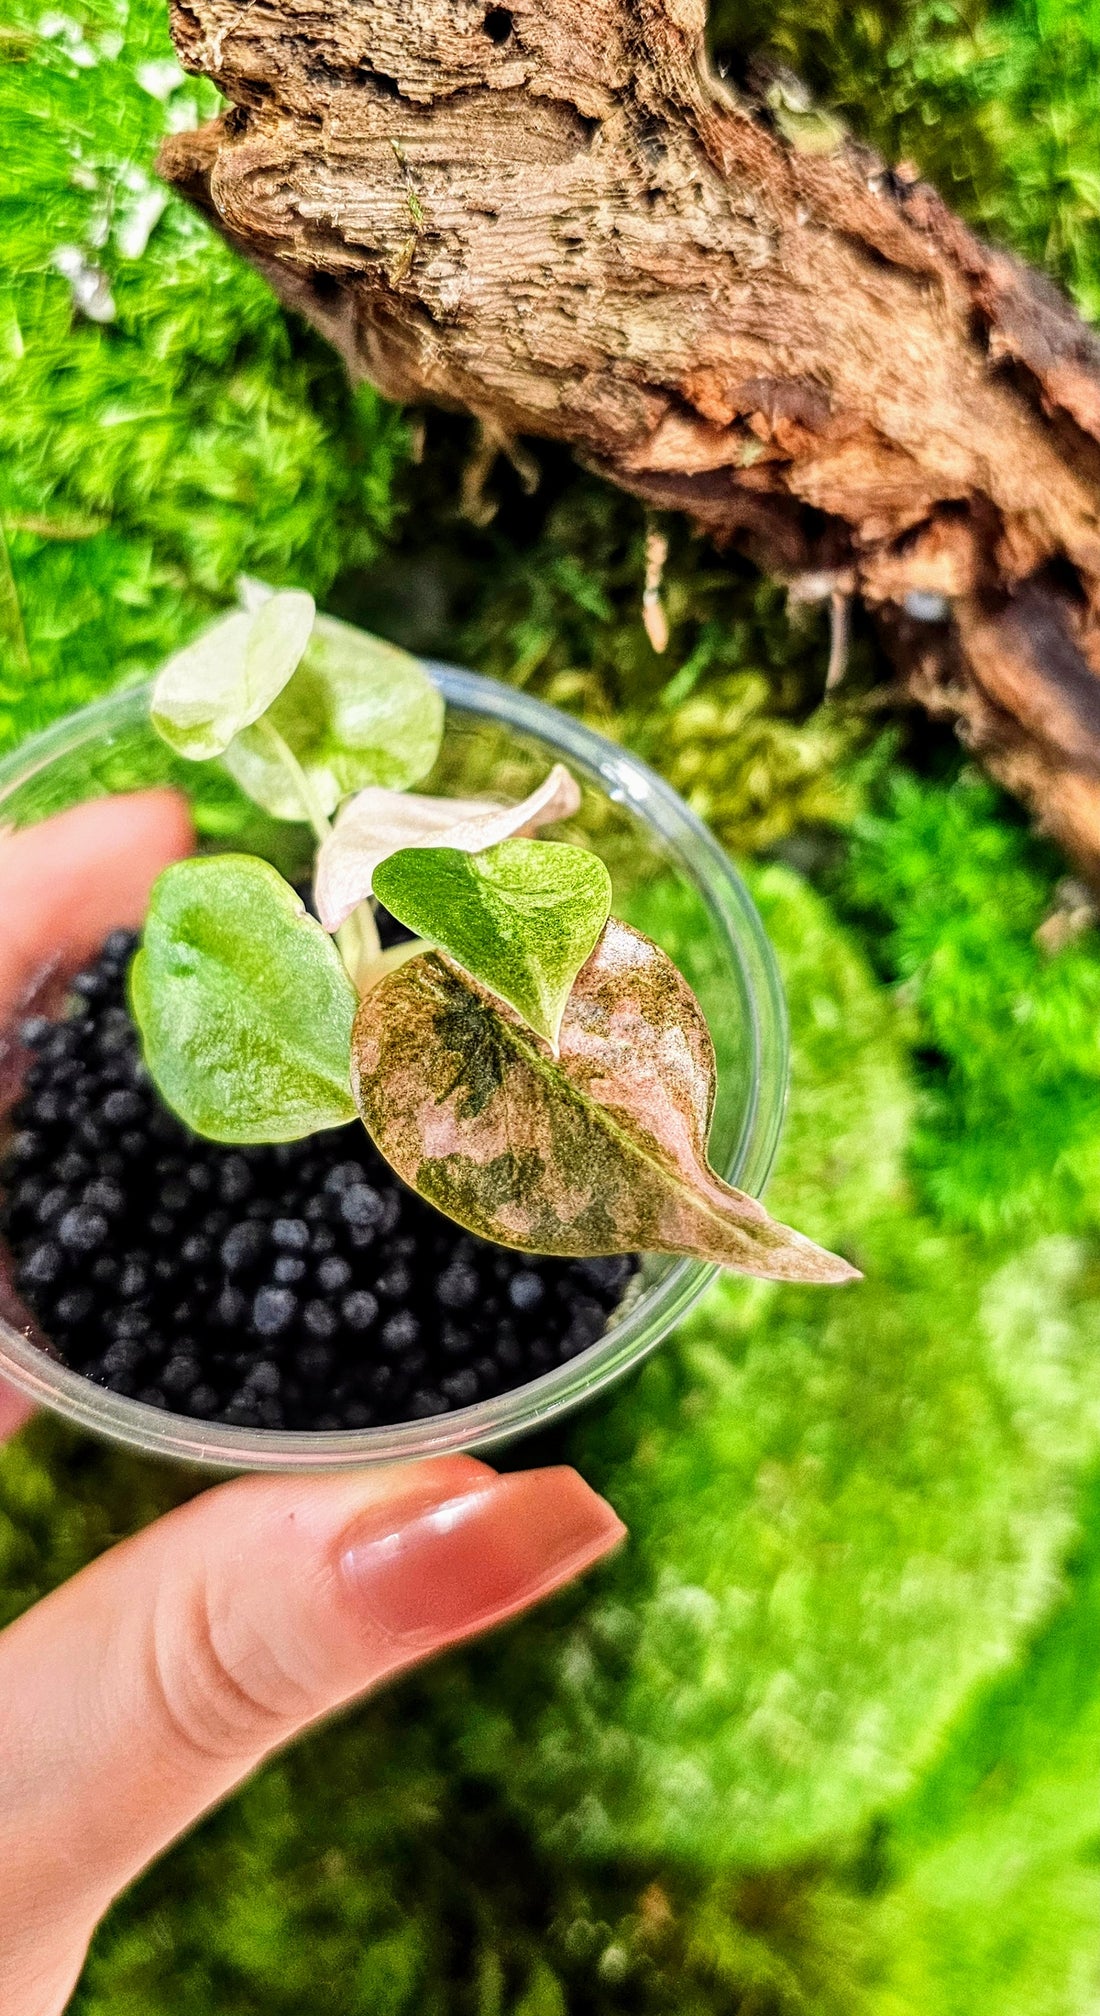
(554, 216)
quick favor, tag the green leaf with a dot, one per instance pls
(229, 676)
(521, 917)
(358, 711)
(243, 1003)
(379, 823)
(600, 1151)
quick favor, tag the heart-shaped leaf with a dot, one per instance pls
(358, 711)
(244, 1005)
(229, 676)
(378, 823)
(601, 1151)
(522, 917)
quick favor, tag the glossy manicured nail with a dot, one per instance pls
(428, 1577)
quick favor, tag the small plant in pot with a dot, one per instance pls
(378, 1147)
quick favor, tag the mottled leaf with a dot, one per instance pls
(358, 711)
(522, 917)
(244, 1005)
(602, 1151)
(378, 823)
(229, 676)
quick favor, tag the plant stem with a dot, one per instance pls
(11, 613)
(389, 961)
(284, 754)
(360, 945)
(358, 940)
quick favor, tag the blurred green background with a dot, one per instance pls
(826, 1737)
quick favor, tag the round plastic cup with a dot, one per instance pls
(671, 879)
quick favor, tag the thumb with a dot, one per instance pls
(14, 1411)
(140, 1693)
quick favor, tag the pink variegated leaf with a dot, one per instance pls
(601, 1150)
(377, 823)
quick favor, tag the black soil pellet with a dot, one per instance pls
(299, 1286)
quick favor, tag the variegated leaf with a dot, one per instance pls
(244, 1006)
(522, 917)
(601, 1151)
(358, 711)
(227, 677)
(377, 823)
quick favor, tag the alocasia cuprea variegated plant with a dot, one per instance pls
(536, 1068)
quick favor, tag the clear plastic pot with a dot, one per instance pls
(671, 879)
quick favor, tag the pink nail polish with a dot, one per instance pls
(468, 1562)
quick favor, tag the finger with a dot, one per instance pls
(141, 1692)
(14, 1412)
(66, 883)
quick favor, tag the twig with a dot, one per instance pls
(11, 610)
(653, 609)
(840, 608)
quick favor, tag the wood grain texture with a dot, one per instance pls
(554, 216)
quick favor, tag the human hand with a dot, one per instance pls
(138, 1695)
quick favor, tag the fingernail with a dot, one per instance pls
(468, 1562)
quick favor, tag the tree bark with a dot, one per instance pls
(555, 216)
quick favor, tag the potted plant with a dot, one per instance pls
(389, 1131)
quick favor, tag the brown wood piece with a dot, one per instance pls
(555, 217)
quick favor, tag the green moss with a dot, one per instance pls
(995, 1864)
(371, 1906)
(952, 893)
(145, 460)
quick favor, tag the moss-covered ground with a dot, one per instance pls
(825, 1740)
